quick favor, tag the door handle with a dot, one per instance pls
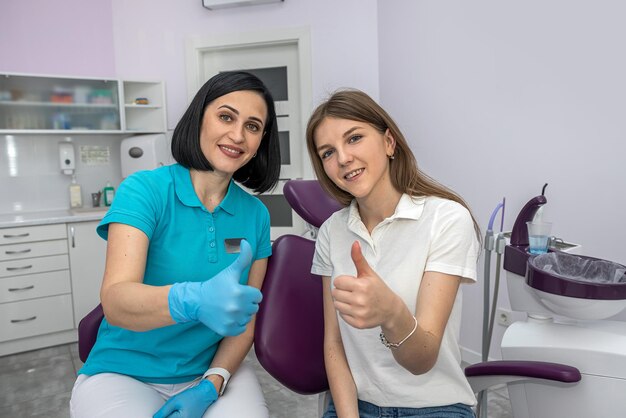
(19, 268)
(16, 321)
(17, 236)
(17, 289)
(17, 252)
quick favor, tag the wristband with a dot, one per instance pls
(387, 344)
(220, 372)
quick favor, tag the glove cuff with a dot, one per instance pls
(181, 302)
(208, 388)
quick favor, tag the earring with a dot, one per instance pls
(254, 155)
(392, 157)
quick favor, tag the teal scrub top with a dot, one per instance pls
(186, 244)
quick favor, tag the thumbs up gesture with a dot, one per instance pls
(364, 300)
(220, 303)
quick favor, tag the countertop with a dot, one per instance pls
(17, 219)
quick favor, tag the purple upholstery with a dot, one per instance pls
(310, 201)
(88, 331)
(289, 334)
(536, 369)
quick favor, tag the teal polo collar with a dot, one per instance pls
(188, 197)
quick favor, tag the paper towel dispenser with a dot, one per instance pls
(144, 152)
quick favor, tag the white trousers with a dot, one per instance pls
(113, 395)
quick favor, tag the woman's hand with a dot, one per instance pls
(364, 301)
(190, 403)
(221, 303)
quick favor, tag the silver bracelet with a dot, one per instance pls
(386, 342)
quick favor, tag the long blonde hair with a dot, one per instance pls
(406, 177)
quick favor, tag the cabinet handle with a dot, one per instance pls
(19, 268)
(16, 321)
(72, 234)
(17, 252)
(17, 289)
(17, 236)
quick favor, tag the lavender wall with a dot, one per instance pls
(67, 37)
(344, 40)
(499, 97)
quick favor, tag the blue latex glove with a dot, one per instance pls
(221, 303)
(190, 403)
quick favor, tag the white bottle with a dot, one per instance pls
(76, 195)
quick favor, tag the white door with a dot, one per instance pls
(276, 64)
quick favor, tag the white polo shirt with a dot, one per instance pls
(424, 234)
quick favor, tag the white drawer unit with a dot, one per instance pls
(50, 278)
(35, 317)
(32, 233)
(35, 287)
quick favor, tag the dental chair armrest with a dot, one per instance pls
(484, 375)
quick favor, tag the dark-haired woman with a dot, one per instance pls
(179, 303)
(392, 262)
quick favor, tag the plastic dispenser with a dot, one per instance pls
(67, 159)
(143, 152)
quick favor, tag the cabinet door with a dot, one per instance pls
(87, 256)
(41, 104)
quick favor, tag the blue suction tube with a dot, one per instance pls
(488, 307)
(489, 247)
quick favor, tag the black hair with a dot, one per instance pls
(261, 173)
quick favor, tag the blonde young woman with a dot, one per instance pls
(392, 262)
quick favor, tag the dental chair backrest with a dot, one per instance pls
(289, 334)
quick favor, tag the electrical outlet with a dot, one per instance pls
(504, 317)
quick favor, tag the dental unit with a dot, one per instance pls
(575, 352)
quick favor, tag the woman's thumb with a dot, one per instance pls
(361, 264)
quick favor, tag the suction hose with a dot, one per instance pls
(489, 308)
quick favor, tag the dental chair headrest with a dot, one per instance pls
(310, 201)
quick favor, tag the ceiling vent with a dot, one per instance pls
(223, 4)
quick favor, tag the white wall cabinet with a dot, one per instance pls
(49, 279)
(49, 104)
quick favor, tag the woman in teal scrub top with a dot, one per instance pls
(186, 256)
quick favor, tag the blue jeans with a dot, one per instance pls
(368, 410)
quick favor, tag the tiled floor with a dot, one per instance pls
(38, 384)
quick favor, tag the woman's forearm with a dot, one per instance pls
(418, 353)
(232, 350)
(341, 382)
(136, 306)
